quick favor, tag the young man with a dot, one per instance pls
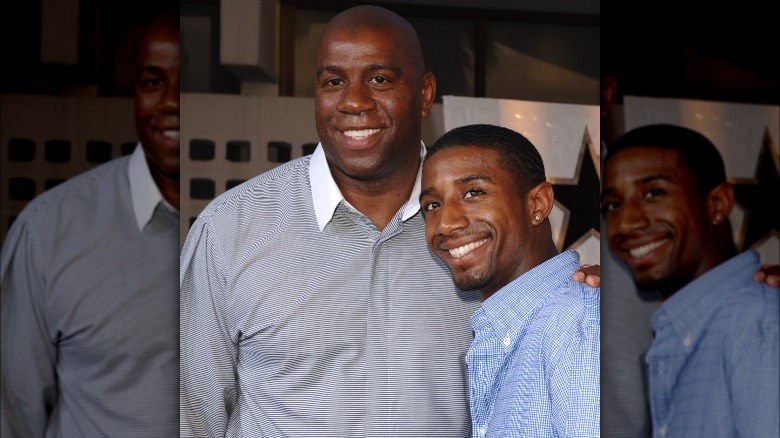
(534, 363)
(89, 301)
(311, 305)
(713, 362)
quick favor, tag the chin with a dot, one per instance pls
(472, 282)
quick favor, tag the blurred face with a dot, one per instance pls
(474, 217)
(370, 97)
(656, 221)
(157, 101)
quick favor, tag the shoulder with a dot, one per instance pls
(255, 210)
(80, 193)
(754, 306)
(266, 189)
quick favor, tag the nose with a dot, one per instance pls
(356, 98)
(451, 218)
(169, 102)
(631, 217)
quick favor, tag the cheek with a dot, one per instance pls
(429, 231)
(144, 106)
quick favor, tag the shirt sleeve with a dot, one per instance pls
(754, 374)
(28, 389)
(208, 353)
(575, 373)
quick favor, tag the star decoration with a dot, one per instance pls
(759, 198)
(580, 199)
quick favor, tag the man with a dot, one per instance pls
(89, 303)
(534, 362)
(311, 305)
(712, 364)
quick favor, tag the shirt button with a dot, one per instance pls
(482, 431)
(687, 341)
(507, 341)
(662, 431)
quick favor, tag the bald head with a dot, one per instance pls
(354, 22)
(371, 93)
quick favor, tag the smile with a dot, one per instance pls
(643, 250)
(171, 133)
(465, 249)
(360, 133)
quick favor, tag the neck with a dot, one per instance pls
(543, 249)
(168, 186)
(723, 249)
(380, 199)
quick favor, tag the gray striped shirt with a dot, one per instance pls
(90, 309)
(290, 329)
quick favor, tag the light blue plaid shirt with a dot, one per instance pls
(534, 363)
(713, 365)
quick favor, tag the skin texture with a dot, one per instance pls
(471, 203)
(650, 198)
(156, 92)
(371, 76)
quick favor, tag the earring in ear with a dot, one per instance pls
(537, 218)
(718, 218)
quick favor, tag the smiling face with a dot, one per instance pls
(156, 90)
(371, 93)
(657, 222)
(474, 217)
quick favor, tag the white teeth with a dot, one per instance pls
(171, 133)
(360, 133)
(644, 249)
(465, 249)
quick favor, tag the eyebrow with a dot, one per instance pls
(148, 69)
(372, 67)
(644, 180)
(462, 180)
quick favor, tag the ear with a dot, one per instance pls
(428, 93)
(540, 202)
(720, 202)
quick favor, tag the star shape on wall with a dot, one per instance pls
(579, 198)
(759, 199)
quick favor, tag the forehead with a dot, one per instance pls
(344, 45)
(157, 42)
(644, 159)
(641, 164)
(456, 162)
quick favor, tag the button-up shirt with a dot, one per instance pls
(713, 364)
(301, 318)
(534, 362)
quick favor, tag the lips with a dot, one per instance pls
(461, 251)
(638, 252)
(173, 134)
(359, 134)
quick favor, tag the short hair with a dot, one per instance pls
(521, 159)
(699, 155)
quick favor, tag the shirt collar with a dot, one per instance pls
(688, 309)
(326, 194)
(508, 309)
(143, 191)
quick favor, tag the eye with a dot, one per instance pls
(654, 193)
(150, 82)
(608, 206)
(470, 193)
(429, 206)
(334, 82)
(378, 80)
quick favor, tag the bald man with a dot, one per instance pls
(311, 305)
(90, 323)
